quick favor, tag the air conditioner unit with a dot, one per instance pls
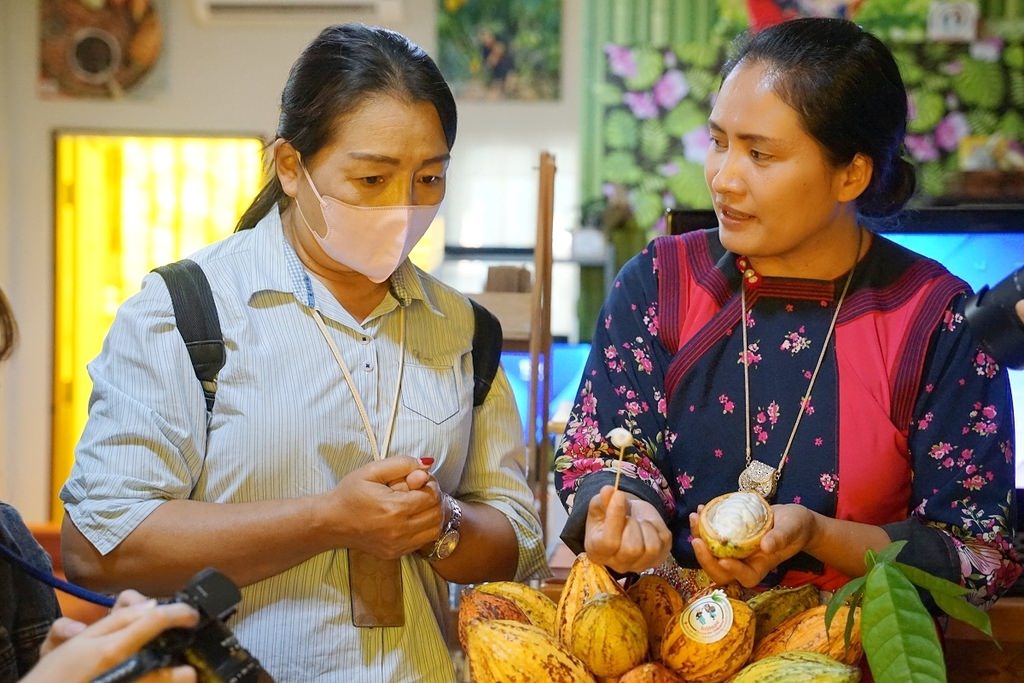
(227, 12)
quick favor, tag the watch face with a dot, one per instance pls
(446, 546)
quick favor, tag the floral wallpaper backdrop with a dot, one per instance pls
(964, 97)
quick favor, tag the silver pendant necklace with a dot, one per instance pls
(757, 476)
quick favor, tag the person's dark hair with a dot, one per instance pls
(8, 328)
(847, 89)
(343, 67)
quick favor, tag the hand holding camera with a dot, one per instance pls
(997, 318)
(208, 647)
(76, 652)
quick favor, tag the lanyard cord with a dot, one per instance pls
(806, 399)
(54, 582)
(379, 451)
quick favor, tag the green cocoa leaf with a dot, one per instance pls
(898, 634)
(961, 610)
(840, 597)
(888, 553)
(933, 584)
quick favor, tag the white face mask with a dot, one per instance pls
(372, 240)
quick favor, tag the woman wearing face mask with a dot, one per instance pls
(343, 477)
(792, 352)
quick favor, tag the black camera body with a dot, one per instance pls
(994, 321)
(209, 647)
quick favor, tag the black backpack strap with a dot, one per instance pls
(198, 323)
(487, 341)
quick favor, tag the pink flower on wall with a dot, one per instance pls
(670, 89)
(621, 61)
(642, 104)
(696, 144)
(951, 130)
(922, 147)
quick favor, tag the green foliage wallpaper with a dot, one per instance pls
(655, 102)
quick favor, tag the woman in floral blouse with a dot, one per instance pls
(853, 385)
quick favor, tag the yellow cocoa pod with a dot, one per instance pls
(806, 667)
(539, 608)
(502, 651)
(710, 640)
(658, 601)
(475, 605)
(774, 606)
(806, 632)
(585, 580)
(732, 524)
(651, 672)
(609, 635)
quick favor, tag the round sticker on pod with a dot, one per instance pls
(708, 618)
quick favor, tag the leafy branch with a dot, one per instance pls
(897, 631)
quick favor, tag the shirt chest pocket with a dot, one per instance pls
(432, 392)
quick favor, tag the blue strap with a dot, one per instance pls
(54, 582)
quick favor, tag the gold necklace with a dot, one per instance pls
(757, 476)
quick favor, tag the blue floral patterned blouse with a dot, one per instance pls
(909, 425)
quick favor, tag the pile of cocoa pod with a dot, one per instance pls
(657, 631)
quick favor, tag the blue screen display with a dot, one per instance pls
(980, 258)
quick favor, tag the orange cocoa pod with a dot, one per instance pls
(651, 672)
(502, 651)
(806, 632)
(609, 635)
(710, 640)
(476, 605)
(585, 580)
(658, 601)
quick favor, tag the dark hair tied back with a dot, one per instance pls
(845, 85)
(343, 67)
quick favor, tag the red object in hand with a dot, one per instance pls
(427, 462)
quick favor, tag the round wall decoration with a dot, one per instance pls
(97, 48)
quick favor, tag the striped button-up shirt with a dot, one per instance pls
(285, 425)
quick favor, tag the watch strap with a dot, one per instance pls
(450, 531)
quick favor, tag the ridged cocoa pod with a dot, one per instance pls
(658, 601)
(502, 651)
(609, 635)
(807, 667)
(539, 608)
(806, 631)
(585, 580)
(698, 661)
(651, 672)
(475, 605)
(774, 606)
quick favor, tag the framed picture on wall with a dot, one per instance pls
(501, 49)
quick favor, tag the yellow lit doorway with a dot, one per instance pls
(125, 204)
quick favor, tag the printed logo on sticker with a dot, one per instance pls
(707, 619)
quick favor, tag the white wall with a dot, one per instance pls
(225, 79)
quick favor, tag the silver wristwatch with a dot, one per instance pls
(446, 544)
